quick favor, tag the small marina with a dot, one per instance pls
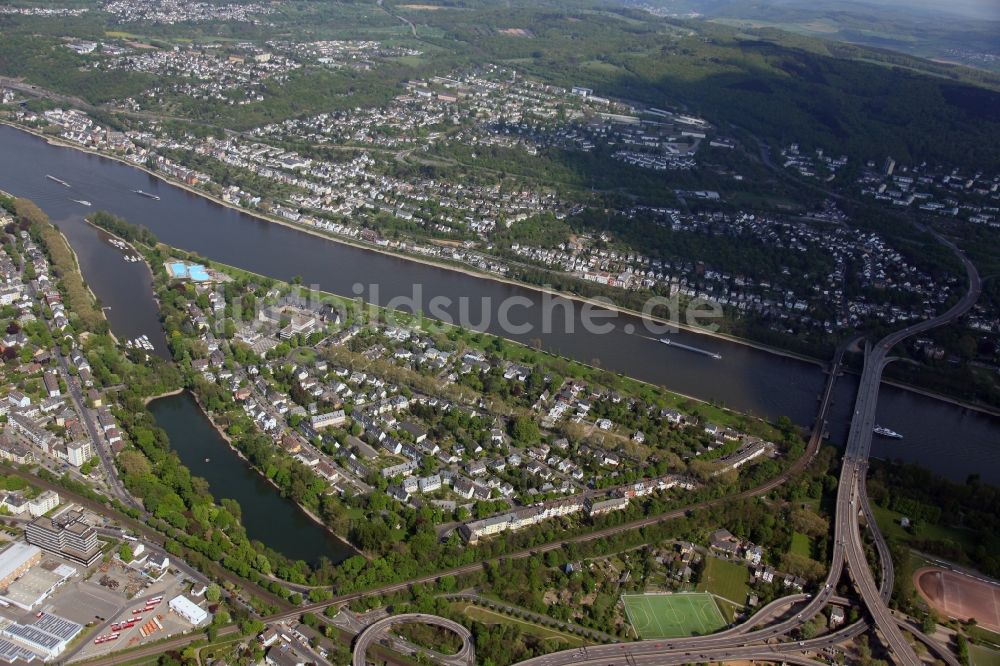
(126, 248)
(142, 342)
(768, 385)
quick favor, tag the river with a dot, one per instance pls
(269, 518)
(939, 435)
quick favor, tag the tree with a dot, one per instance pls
(125, 552)
(213, 593)
(524, 430)
(963, 649)
(251, 627)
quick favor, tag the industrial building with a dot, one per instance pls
(188, 610)
(17, 559)
(47, 637)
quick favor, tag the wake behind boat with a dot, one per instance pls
(886, 432)
(81, 202)
(146, 194)
(667, 341)
(58, 180)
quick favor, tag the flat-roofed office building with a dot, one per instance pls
(65, 535)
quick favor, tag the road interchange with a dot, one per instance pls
(741, 642)
(848, 551)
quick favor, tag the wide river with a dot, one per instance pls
(951, 440)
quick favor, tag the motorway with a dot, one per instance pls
(848, 550)
(466, 656)
(851, 494)
(852, 500)
(738, 642)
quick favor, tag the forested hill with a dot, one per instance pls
(777, 86)
(780, 87)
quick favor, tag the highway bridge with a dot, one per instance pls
(466, 655)
(848, 551)
(770, 642)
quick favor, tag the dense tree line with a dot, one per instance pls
(133, 233)
(928, 499)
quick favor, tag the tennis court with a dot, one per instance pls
(673, 615)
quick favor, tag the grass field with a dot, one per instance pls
(673, 615)
(984, 636)
(801, 545)
(726, 579)
(728, 609)
(487, 616)
(888, 522)
(982, 656)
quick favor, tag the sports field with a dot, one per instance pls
(960, 596)
(673, 615)
(725, 579)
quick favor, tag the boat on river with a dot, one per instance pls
(710, 354)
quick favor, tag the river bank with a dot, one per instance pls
(229, 441)
(368, 247)
(165, 394)
(207, 451)
(605, 305)
(746, 380)
(958, 402)
(450, 266)
(222, 267)
(76, 259)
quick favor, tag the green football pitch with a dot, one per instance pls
(673, 615)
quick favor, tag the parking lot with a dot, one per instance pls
(84, 603)
(167, 587)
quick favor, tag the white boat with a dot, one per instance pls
(886, 432)
(81, 202)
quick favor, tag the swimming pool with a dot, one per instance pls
(195, 272)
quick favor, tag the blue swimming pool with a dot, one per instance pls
(180, 270)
